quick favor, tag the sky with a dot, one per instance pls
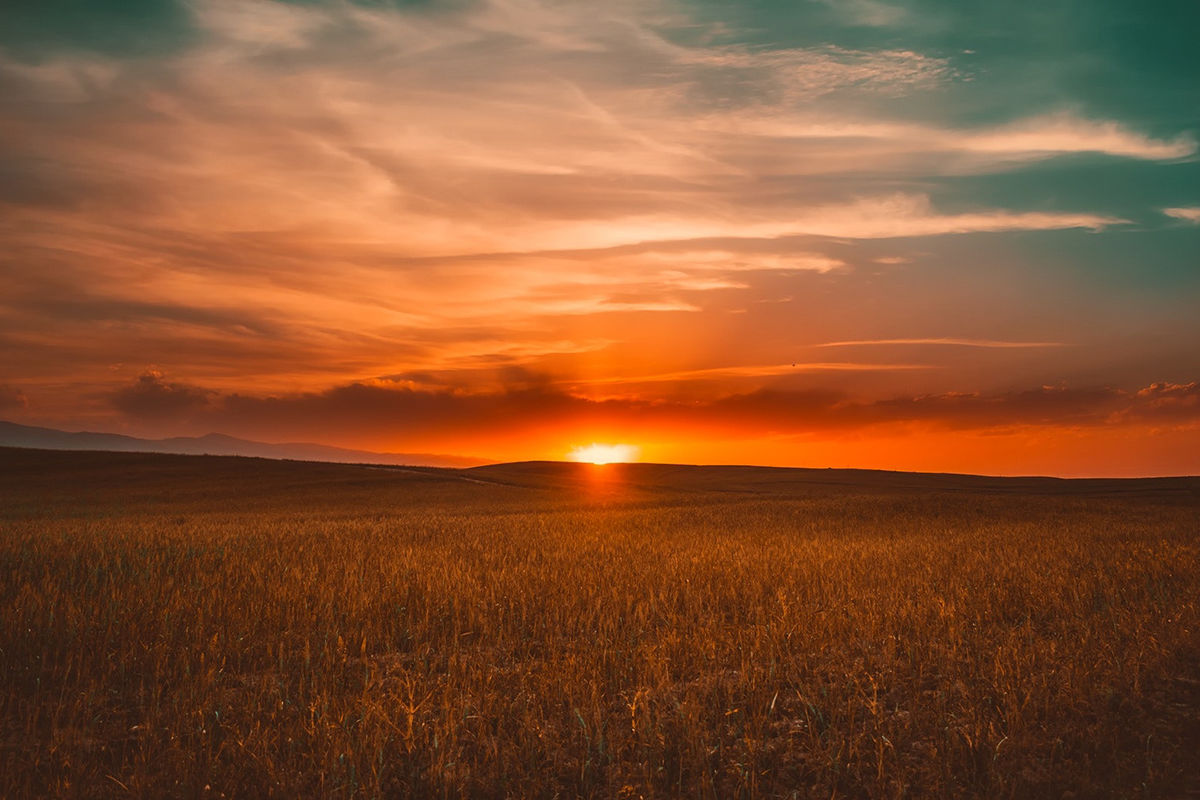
(901, 234)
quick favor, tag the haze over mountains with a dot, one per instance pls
(14, 435)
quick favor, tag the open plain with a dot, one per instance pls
(188, 626)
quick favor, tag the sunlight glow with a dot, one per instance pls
(604, 453)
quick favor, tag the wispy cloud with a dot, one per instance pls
(1067, 133)
(829, 144)
(759, 371)
(1190, 214)
(986, 343)
(867, 12)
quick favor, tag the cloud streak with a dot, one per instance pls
(985, 343)
(1191, 215)
(531, 407)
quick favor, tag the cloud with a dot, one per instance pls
(342, 145)
(985, 343)
(1067, 133)
(760, 371)
(152, 396)
(867, 12)
(874, 217)
(1166, 402)
(261, 26)
(534, 404)
(1188, 214)
(788, 412)
(861, 145)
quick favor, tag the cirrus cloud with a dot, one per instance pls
(1189, 214)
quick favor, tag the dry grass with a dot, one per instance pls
(194, 627)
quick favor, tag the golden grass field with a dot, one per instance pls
(178, 626)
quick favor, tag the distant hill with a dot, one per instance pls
(169, 477)
(794, 481)
(215, 444)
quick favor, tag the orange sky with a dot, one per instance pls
(819, 236)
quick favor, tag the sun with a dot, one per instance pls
(604, 453)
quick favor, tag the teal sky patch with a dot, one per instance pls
(35, 30)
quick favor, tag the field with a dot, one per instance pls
(185, 626)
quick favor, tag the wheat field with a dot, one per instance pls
(180, 626)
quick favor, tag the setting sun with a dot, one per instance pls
(604, 453)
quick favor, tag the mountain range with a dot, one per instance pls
(216, 444)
